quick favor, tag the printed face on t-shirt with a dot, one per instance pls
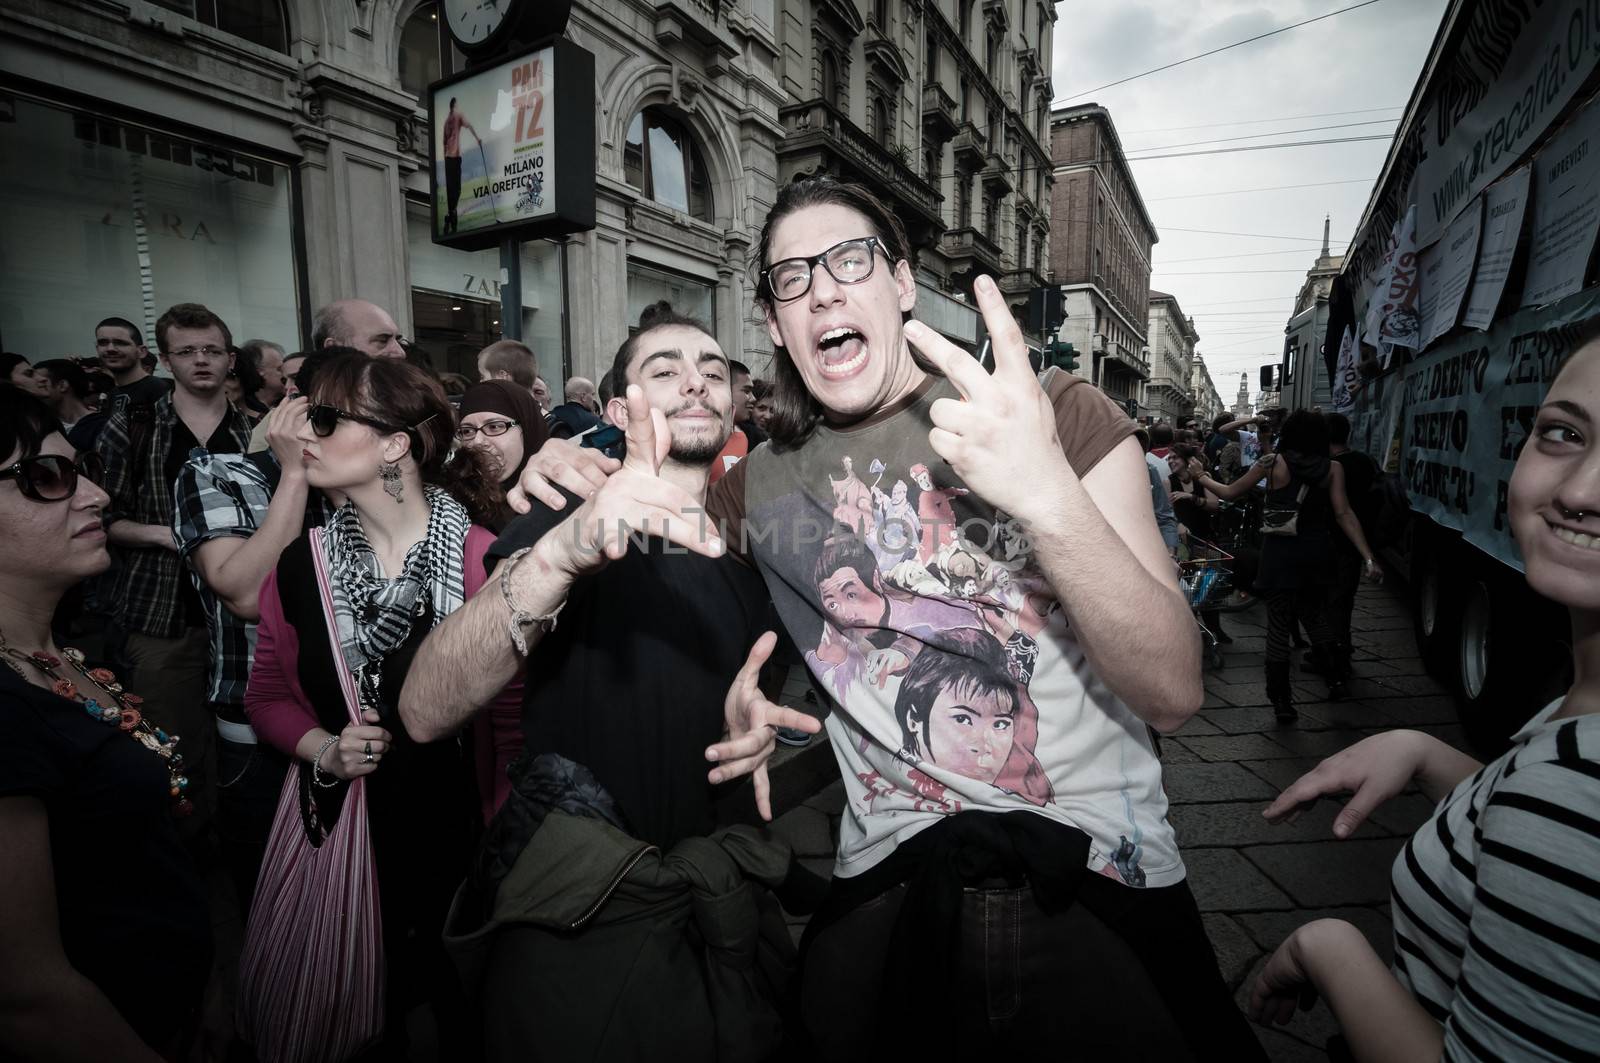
(850, 600)
(969, 733)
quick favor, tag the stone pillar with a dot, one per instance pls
(357, 138)
(597, 286)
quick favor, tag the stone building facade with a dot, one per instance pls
(1207, 403)
(1100, 241)
(1169, 395)
(268, 157)
(1305, 383)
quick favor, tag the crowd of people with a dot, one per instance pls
(450, 686)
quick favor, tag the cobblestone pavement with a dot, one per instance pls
(1256, 882)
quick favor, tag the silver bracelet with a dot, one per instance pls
(316, 765)
(520, 617)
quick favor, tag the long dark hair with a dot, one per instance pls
(396, 392)
(25, 423)
(795, 412)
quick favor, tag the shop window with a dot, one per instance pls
(133, 219)
(258, 21)
(419, 50)
(688, 295)
(662, 160)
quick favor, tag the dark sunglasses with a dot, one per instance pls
(53, 478)
(325, 419)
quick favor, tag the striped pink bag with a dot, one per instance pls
(311, 978)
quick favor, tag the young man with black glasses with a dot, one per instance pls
(159, 618)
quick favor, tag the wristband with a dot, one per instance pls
(520, 617)
(316, 765)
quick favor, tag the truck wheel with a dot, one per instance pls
(1433, 614)
(1512, 659)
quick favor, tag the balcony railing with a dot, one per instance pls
(817, 123)
(970, 243)
(939, 112)
(969, 146)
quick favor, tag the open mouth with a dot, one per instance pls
(842, 351)
(1567, 535)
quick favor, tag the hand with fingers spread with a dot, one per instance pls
(1373, 770)
(1000, 436)
(360, 749)
(752, 722)
(560, 463)
(632, 501)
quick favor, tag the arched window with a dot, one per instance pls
(964, 19)
(830, 79)
(662, 160)
(880, 120)
(257, 21)
(994, 53)
(419, 50)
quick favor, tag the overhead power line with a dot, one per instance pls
(1255, 147)
(1215, 51)
(1259, 136)
(1260, 121)
(1248, 254)
(1271, 188)
(1219, 272)
(1220, 232)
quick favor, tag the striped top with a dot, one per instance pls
(1497, 901)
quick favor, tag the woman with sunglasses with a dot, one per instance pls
(105, 943)
(501, 421)
(402, 552)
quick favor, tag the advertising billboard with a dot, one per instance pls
(512, 148)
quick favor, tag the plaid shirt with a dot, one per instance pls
(220, 495)
(146, 588)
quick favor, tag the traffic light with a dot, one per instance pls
(1062, 355)
(1046, 310)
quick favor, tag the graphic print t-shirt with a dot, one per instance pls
(921, 611)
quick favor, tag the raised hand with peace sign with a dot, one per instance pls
(1000, 436)
(633, 501)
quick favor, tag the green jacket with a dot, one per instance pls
(584, 943)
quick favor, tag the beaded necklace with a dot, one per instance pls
(123, 712)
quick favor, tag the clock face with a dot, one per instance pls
(473, 22)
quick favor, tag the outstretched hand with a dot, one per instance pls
(1000, 436)
(560, 463)
(751, 723)
(1373, 770)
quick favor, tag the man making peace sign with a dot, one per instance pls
(644, 641)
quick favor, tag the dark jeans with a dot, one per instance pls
(1123, 973)
(249, 782)
(1342, 599)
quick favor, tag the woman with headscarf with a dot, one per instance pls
(502, 420)
(1296, 569)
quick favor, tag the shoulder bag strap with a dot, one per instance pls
(347, 682)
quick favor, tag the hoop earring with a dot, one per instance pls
(390, 471)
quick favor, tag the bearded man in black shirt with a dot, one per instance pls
(646, 640)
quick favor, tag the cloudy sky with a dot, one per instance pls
(1240, 289)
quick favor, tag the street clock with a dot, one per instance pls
(481, 28)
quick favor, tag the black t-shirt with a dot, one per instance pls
(1361, 475)
(131, 907)
(147, 389)
(183, 444)
(631, 682)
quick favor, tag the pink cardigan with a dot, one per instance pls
(281, 713)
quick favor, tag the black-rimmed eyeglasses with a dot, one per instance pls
(466, 432)
(848, 262)
(53, 478)
(325, 420)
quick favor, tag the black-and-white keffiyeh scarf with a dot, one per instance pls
(374, 614)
